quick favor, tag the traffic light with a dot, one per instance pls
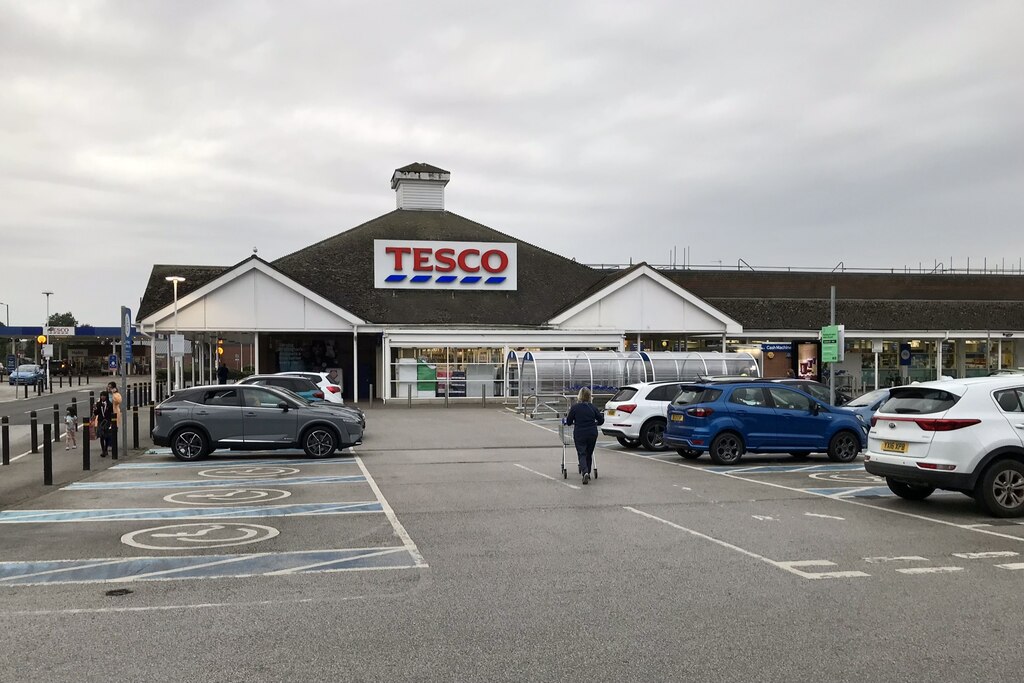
(220, 347)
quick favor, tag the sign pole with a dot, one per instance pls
(126, 357)
(832, 369)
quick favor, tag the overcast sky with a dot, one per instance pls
(878, 134)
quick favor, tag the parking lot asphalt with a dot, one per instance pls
(449, 547)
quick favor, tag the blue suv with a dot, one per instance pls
(729, 418)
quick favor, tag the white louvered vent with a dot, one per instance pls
(420, 187)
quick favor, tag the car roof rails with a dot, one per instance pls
(727, 378)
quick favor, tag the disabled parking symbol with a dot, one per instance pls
(227, 496)
(248, 472)
(198, 535)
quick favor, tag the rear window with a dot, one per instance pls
(918, 400)
(688, 395)
(623, 394)
(867, 399)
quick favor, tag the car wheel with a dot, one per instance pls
(625, 442)
(801, 454)
(909, 491)
(1002, 489)
(844, 447)
(727, 448)
(652, 435)
(189, 444)
(319, 442)
(688, 453)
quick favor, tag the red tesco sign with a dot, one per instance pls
(445, 259)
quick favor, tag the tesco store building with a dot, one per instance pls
(422, 302)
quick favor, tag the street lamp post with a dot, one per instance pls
(8, 325)
(45, 325)
(174, 280)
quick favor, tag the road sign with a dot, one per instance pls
(12, 363)
(128, 357)
(59, 331)
(47, 350)
(832, 343)
(177, 345)
(112, 362)
(126, 322)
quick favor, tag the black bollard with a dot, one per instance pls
(61, 379)
(26, 390)
(135, 427)
(79, 379)
(35, 431)
(56, 422)
(49, 385)
(152, 419)
(86, 465)
(47, 457)
(5, 439)
(74, 405)
(92, 401)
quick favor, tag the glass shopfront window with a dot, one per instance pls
(447, 372)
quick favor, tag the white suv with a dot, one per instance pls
(332, 392)
(636, 414)
(961, 435)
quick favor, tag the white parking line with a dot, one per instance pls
(902, 558)
(791, 567)
(814, 514)
(985, 556)
(929, 570)
(390, 514)
(1012, 566)
(541, 474)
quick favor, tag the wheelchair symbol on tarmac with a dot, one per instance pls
(198, 535)
(243, 472)
(852, 477)
(226, 496)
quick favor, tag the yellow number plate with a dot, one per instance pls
(610, 411)
(677, 417)
(894, 446)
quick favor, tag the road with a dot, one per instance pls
(448, 547)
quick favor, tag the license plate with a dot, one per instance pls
(610, 411)
(894, 446)
(677, 417)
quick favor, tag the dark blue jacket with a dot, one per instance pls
(585, 418)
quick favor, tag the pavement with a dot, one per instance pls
(449, 547)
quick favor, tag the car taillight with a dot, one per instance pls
(874, 420)
(333, 389)
(700, 412)
(945, 425)
(626, 408)
(318, 394)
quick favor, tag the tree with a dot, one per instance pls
(62, 320)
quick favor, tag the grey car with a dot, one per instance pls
(196, 421)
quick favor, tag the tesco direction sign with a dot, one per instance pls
(425, 264)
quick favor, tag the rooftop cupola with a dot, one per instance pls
(420, 187)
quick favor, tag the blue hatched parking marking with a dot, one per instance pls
(212, 483)
(124, 570)
(863, 492)
(764, 469)
(210, 464)
(143, 514)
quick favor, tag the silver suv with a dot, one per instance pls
(194, 422)
(635, 415)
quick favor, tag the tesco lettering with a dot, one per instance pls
(445, 259)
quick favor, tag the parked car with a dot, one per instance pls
(958, 435)
(815, 389)
(729, 418)
(196, 421)
(300, 385)
(635, 415)
(332, 392)
(865, 405)
(29, 373)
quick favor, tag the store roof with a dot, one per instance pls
(340, 268)
(420, 167)
(160, 293)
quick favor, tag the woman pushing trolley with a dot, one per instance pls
(584, 418)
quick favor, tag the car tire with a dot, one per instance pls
(189, 444)
(800, 455)
(689, 453)
(909, 491)
(727, 448)
(319, 442)
(1001, 489)
(626, 442)
(843, 447)
(652, 435)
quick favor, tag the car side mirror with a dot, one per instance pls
(816, 409)
(283, 406)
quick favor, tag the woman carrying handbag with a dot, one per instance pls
(103, 415)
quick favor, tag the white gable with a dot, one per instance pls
(253, 297)
(646, 301)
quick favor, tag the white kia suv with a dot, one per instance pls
(962, 435)
(635, 415)
(332, 392)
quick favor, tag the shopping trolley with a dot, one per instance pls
(565, 434)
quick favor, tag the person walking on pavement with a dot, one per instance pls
(584, 418)
(115, 401)
(70, 428)
(222, 374)
(103, 415)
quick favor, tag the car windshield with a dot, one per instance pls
(867, 399)
(293, 396)
(916, 400)
(26, 368)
